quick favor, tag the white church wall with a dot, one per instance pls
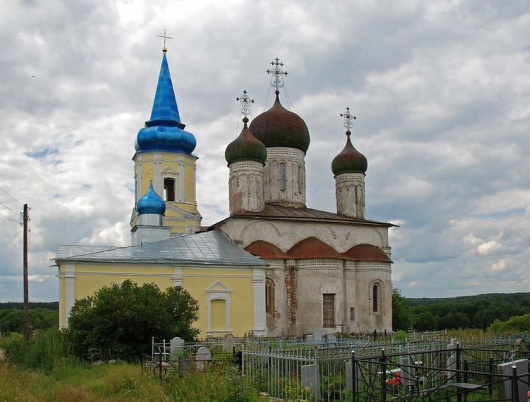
(285, 234)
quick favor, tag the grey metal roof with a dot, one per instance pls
(279, 212)
(204, 248)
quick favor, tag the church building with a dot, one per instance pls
(274, 266)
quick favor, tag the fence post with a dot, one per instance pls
(490, 377)
(160, 365)
(353, 377)
(318, 390)
(458, 373)
(383, 375)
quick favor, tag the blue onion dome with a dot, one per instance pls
(164, 131)
(279, 127)
(349, 160)
(151, 203)
(245, 147)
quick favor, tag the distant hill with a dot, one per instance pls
(32, 305)
(518, 298)
(467, 311)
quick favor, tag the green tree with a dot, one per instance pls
(401, 315)
(119, 320)
(11, 320)
(516, 324)
(426, 321)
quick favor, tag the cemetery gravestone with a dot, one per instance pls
(203, 357)
(229, 343)
(451, 360)
(310, 378)
(521, 370)
(176, 347)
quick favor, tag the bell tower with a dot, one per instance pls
(164, 157)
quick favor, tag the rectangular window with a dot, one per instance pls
(169, 189)
(328, 309)
(352, 313)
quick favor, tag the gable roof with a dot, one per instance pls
(203, 248)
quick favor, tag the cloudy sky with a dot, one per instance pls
(441, 92)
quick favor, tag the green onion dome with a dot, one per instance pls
(349, 160)
(278, 127)
(245, 147)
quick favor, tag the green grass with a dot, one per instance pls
(45, 370)
(119, 382)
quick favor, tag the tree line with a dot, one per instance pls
(480, 311)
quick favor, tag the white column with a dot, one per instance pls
(177, 276)
(69, 292)
(158, 185)
(182, 182)
(138, 177)
(260, 323)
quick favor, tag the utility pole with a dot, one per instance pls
(25, 219)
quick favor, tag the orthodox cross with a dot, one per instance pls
(277, 73)
(348, 123)
(245, 103)
(164, 36)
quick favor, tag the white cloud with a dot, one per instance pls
(488, 248)
(499, 266)
(440, 91)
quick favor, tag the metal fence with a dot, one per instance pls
(410, 371)
(186, 357)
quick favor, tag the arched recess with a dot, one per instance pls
(376, 297)
(257, 221)
(377, 232)
(269, 295)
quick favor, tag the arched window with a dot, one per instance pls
(377, 297)
(300, 179)
(282, 176)
(269, 296)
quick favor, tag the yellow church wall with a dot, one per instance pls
(89, 278)
(235, 284)
(200, 282)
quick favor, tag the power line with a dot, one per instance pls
(9, 219)
(4, 205)
(10, 196)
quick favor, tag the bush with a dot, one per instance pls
(119, 321)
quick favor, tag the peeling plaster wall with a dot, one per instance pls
(300, 284)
